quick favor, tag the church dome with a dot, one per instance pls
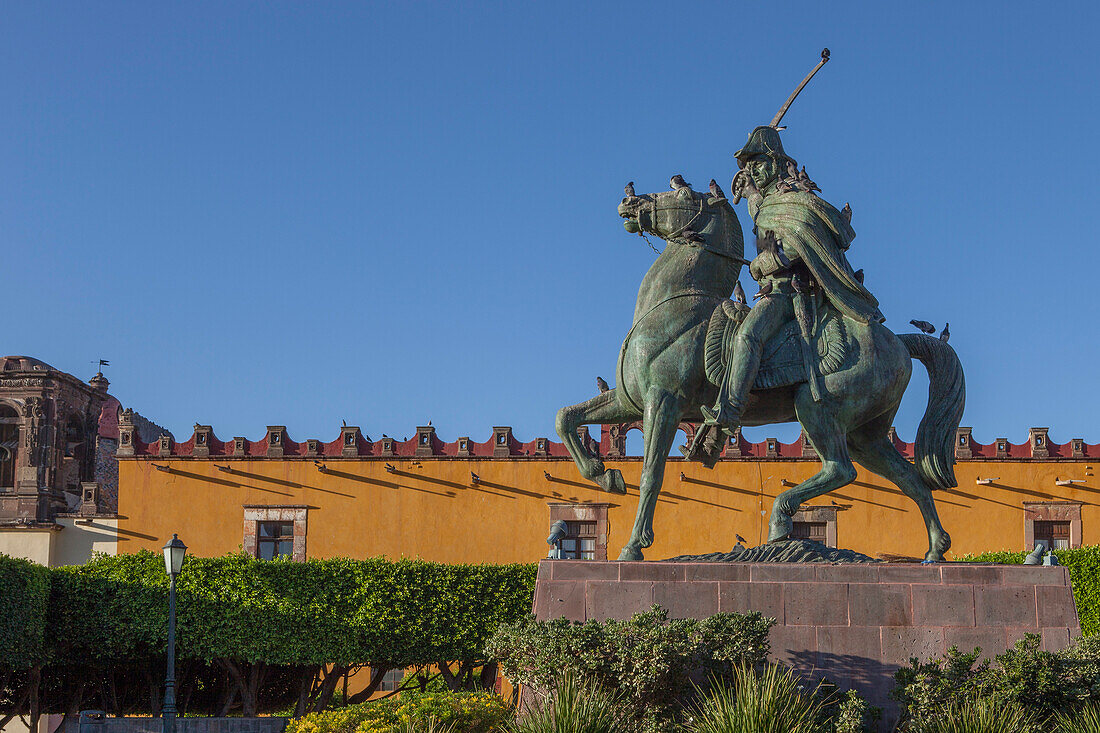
(25, 364)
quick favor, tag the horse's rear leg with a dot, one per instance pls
(836, 471)
(601, 409)
(874, 451)
(659, 423)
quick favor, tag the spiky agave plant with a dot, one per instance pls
(576, 706)
(1085, 720)
(770, 701)
(982, 715)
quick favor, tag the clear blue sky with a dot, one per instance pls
(273, 213)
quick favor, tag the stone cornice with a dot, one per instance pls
(424, 443)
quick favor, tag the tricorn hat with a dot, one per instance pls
(764, 140)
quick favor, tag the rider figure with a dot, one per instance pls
(801, 240)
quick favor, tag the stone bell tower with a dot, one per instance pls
(48, 431)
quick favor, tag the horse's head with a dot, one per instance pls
(684, 216)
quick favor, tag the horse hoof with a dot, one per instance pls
(940, 544)
(612, 482)
(630, 554)
(780, 529)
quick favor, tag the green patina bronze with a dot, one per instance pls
(812, 350)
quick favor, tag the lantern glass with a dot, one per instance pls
(173, 556)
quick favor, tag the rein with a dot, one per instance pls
(680, 208)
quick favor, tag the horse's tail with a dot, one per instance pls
(935, 449)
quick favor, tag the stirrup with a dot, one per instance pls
(710, 416)
(697, 450)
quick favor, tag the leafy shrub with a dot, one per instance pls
(574, 707)
(24, 593)
(771, 701)
(1043, 683)
(982, 715)
(652, 663)
(926, 689)
(462, 712)
(1083, 660)
(852, 714)
(1083, 564)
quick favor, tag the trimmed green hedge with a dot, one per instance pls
(1084, 570)
(253, 633)
(336, 611)
(24, 595)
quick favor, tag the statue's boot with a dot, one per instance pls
(706, 446)
(723, 419)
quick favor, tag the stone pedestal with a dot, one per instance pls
(855, 624)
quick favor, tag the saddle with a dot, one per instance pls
(781, 363)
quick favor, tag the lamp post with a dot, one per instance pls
(173, 563)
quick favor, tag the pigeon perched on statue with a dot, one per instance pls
(945, 334)
(692, 236)
(602, 385)
(677, 182)
(629, 189)
(805, 183)
(846, 212)
(924, 326)
(716, 190)
(739, 293)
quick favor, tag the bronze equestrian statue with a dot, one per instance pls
(813, 349)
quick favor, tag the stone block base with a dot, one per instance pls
(855, 624)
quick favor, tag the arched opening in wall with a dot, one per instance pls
(680, 439)
(635, 443)
(9, 445)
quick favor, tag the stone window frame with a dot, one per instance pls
(1052, 511)
(594, 512)
(256, 513)
(15, 420)
(825, 514)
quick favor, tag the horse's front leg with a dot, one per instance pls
(601, 409)
(659, 424)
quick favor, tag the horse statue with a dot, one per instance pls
(665, 373)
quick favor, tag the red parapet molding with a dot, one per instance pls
(425, 443)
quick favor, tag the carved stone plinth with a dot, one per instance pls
(855, 624)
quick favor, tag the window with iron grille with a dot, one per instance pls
(274, 539)
(580, 541)
(814, 531)
(1052, 535)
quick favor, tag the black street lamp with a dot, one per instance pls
(173, 563)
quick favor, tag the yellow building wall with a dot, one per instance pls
(430, 508)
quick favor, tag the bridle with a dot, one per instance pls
(675, 238)
(654, 209)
